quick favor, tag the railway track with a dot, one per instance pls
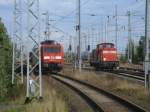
(132, 69)
(99, 99)
(139, 76)
(133, 74)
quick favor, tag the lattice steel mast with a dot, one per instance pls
(33, 34)
(17, 34)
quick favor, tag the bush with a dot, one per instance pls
(123, 59)
(5, 62)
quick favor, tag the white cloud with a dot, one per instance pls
(58, 6)
(66, 8)
(6, 2)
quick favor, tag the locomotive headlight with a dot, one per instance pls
(104, 59)
(58, 57)
(46, 57)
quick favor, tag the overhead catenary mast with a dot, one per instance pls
(17, 35)
(129, 38)
(105, 39)
(147, 49)
(116, 14)
(78, 29)
(47, 32)
(34, 35)
(102, 30)
(92, 36)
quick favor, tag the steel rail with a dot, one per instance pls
(137, 75)
(89, 101)
(127, 104)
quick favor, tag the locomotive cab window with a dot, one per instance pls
(108, 45)
(100, 46)
(52, 49)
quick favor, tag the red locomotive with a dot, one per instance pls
(104, 56)
(52, 56)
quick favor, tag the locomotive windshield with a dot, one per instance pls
(52, 49)
(109, 46)
(106, 45)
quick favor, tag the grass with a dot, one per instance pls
(132, 66)
(19, 109)
(75, 102)
(134, 93)
(55, 99)
(127, 89)
(52, 102)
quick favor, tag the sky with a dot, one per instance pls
(64, 19)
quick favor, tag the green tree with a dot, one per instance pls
(140, 49)
(139, 54)
(5, 62)
(123, 58)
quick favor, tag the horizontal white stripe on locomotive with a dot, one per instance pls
(111, 52)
